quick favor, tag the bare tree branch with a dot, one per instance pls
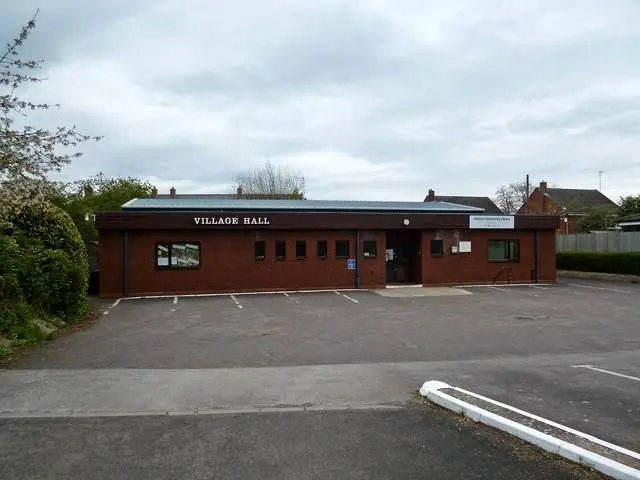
(28, 154)
(272, 181)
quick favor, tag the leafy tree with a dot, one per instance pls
(629, 205)
(597, 218)
(27, 153)
(82, 199)
(271, 181)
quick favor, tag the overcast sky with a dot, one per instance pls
(369, 99)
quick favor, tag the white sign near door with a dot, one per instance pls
(492, 222)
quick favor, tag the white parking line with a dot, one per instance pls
(285, 294)
(602, 370)
(501, 289)
(233, 297)
(347, 297)
(116, 303)
(175, 300)
(599, 288)
(538, 287)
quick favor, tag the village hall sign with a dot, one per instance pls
(231, 220)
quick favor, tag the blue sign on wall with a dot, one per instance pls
(351, 264)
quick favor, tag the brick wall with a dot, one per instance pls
(228, 264)
(474, 267)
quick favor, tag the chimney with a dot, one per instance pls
(154, 192)
(431, 196)
(239, 191)
(543, 186)
(172, 192)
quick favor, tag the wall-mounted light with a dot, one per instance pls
(406, 222)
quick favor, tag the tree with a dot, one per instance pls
(27, 153)
(597, 218)
(83, 198)
(629, 205)
(271, 180)
(509, 198)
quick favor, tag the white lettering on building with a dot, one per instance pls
(231, 220)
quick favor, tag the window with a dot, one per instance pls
(322, 249)
(437, 248)
(178, 255)
(261, 250)
(301, 249)
(369, 248)
(342, 248)
(281, 249)
(504, 250)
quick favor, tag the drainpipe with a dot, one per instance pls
(125, 264)
(358, 280)
(536, 255)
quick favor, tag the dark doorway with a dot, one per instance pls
(402, 256)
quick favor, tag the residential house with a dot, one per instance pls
(479, 202)
(629, 223)
(569, 203)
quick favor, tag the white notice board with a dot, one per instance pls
(492, 222)
(464, 247)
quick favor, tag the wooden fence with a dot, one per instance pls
(599, 242)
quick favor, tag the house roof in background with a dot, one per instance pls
(479, 202)
(222, 204)
(629, 218)
(578, 200)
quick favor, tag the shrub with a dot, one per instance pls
(54, 228)
(10, 267)
(622, 263)
(17, 322)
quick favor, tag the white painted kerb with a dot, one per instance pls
(431, 390)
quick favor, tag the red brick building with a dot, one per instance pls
(188, 246)
(569, 203)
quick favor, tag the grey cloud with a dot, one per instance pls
(62, 25)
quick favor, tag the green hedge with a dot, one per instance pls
(624, 263)
(43, 274)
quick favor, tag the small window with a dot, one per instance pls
(301, 249)
(504, 250)
(437, 248)
(178, 255)
(261, 250)
(281, 249)
(322, 249)
(369, 249)
(342, 248)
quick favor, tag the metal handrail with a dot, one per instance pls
(509, 275)
(495, 278)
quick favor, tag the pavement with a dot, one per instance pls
(256, 366)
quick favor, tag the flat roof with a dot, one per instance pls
(213, 204)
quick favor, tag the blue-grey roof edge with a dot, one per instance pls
(295, 205)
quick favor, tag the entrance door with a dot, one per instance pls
(403, 257)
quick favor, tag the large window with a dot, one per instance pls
(504, 250)
(301, 249)
(261, 249)
(178, 255)
(281, 249)
(342, 248)
(322, 249)
(369, 249)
